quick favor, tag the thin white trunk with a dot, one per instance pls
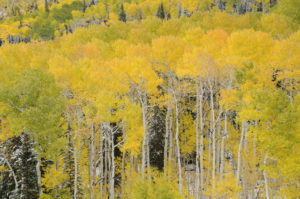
(240, 153)
(76, 171)
(106, 161)
(39, 176)
(123, 175)
(101, 176)
(223, 146)
(148, 158)
(218, 142)
(197, 183)
(112, 172)
(244, 177)
(166, 145)
(201, 152)
(213, 134)
(92, 163)
(266, 179)
(178, 148)
(171, 149)
(145, 139)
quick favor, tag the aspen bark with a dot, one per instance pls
(112, 172)
(148, 157)
(106, 161)
(166, 144)
(92, 162)
(39, 175)
(123, 175)
(178, 147)
(266, 179)
(197, 145)
(171, 148)
(201, 151)
(218, 143)
(76, 170)
(101, 176)
(145, 139)
(223, 146)
(213, 132)
(240, 152)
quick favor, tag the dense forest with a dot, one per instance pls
(149, 99)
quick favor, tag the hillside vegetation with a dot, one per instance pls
(149, 99)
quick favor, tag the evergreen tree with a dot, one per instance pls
(23, 160)
(161, 11)
(122, 14)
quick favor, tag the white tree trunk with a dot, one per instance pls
(107, 164)
(171, 148)
(240, 152)
(123, 175)
(76, 171)
(213, 134)
(92, 162)
(112, 172)
(223, 147)
(101, 176)
(266, 179)
(201, 151)
(178, 147)
(145, 139)
(166, 145)
(39, 175)
(197, 181)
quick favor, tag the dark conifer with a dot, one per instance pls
(122, 15)
(161, 11)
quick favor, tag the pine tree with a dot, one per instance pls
(23, 159)
(122, 14)
(161, 11)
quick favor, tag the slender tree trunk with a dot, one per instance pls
(178, 147)
(213, 134)
(101, 176)
(255, 170)
(223, 146)
(109, 163)
(166, 145)
(39, 175)
(112, 172)
(92, 162)
(144, 139)
(123, 174)
(197, 145)
(148, 157)
(171, 148)
(201, 150)
(145, 145)
(106, 161)
(76, 170)
(218, 143)
(240, 153)
(266, 179)
(244, 167)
